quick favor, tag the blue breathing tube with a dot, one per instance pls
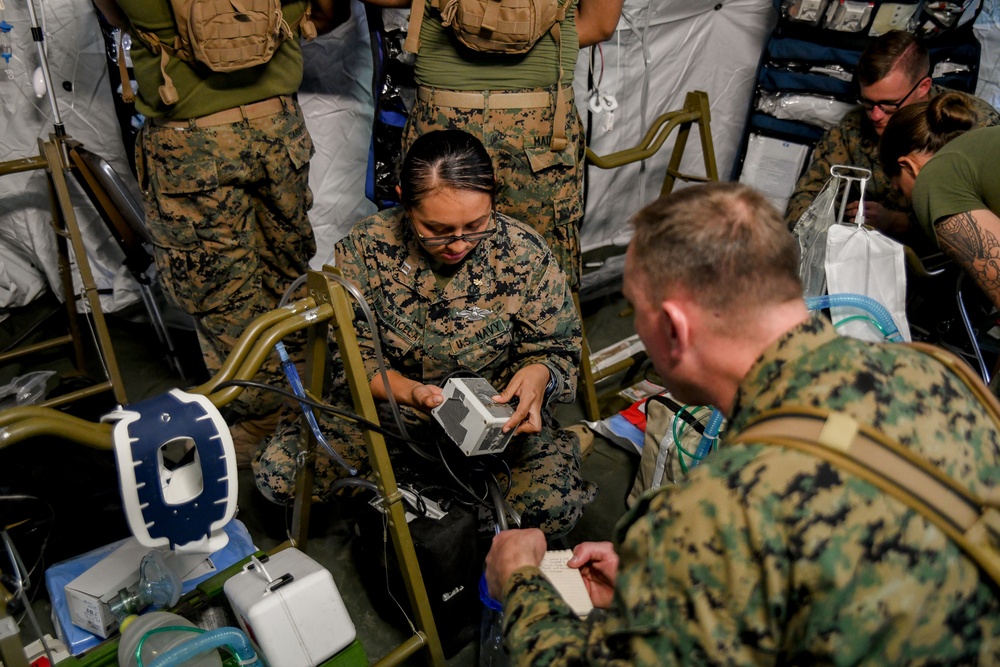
(231, 638)
(296, 382)
(710, 435)
(878, 312)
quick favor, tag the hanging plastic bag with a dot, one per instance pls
(811, 228)
(864, 261)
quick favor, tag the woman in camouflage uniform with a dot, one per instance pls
(454, 284)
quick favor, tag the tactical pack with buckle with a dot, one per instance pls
(221, 36)
(501, 26)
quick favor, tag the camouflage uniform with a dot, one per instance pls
(506, 307)
(537, 185)
(853, 142)
(225, 202)
(766, 555)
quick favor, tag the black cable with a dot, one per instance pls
(499, 513)
(472, 494)
(415, 445)
(48, 533)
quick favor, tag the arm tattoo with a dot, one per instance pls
(976, 250)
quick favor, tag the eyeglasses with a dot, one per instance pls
(434, 241)
(889, 108)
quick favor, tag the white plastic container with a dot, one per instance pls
(291, 609)
(134, 628)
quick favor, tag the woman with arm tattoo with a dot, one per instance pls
(950, 173)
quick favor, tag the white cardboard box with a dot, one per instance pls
(87, 596)
(291, 609)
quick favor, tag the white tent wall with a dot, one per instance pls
(987, 30)
(706, 45)
(76, 58)
(336, 98)
(662, 50)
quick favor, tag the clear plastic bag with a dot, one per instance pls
(864, 261)
(805, 11)
(848, 15)
(812, 227)
(26, 389)
(816, 110)
(811, 230)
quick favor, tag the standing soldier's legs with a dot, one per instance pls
(211, 217)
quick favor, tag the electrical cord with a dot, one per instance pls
(23, 582)
(403, 435)
(325, 407)
(45, 540)
(414, 445)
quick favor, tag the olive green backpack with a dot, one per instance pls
(501, 26)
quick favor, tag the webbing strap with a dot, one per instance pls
(127, 95)
(559, 141)
(972, 522)
(808, 430)
(491, 17)
(967, 375)
(412, 43)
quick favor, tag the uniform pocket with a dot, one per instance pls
(188, 176)
(300, 149)
(179, 215)
(541, 157)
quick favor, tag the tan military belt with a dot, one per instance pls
(261, 109)
(484, 100)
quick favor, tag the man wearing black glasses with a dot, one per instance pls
(893, 72)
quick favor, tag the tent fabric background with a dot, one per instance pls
(76, 58)
(661, 50)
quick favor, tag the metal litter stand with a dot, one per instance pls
(327, 293)
(55, 160)
(695, 110)
(325, 306)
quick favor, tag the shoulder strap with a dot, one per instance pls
(127, 95)
(973, 523)
(412, 43)
(966, 374)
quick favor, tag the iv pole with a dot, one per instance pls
(55, 158)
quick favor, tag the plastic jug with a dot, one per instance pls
(491, 650)
(135, 628)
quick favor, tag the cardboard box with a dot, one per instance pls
(87, 596)
(57, 576)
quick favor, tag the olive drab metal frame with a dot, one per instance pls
(328, 294)
(325, 306)
(695, 110)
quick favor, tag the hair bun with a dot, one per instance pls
(950, 113)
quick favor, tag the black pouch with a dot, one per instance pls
(450, 554)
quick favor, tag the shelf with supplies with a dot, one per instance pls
(806, 75)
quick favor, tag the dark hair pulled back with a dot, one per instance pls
(925, 127)
(445, 159)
